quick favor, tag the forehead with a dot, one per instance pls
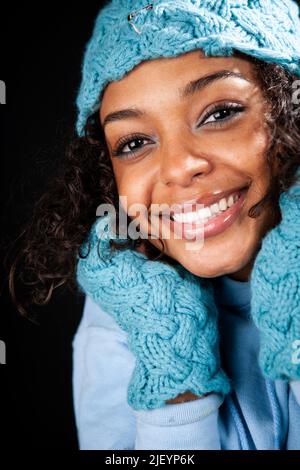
(159, 75)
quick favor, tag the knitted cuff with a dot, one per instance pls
(275, 282)
(169, 315)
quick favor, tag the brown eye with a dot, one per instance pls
(137, 144)
(129, 146)
(222, 113)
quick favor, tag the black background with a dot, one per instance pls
(42, 47)
(40, 61)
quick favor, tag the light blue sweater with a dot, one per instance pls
(258, 414)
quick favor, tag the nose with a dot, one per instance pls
(182, 160)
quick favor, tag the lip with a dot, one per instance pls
(206, 199)
(215, 226)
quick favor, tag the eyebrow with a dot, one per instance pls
(188, 90)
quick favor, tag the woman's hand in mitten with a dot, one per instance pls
(168, 313)
(275, 283)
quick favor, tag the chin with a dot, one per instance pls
(209, 272)
(211, 267)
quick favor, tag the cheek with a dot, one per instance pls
(244, 148)
(133, 183)
(252, 148)
(251, 158)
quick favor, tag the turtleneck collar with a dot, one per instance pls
(232, 293)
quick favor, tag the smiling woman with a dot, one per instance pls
(194, 142)
(185, 121)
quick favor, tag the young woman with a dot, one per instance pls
(188, 124)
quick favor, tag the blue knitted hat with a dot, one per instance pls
(266, 29)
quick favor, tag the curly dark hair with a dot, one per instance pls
(50, 242)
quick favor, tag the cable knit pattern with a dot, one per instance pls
(266, 29)
(275, 285)
(169, 315)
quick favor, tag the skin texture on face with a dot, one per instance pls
(186, 147)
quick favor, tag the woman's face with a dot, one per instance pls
(196, 146)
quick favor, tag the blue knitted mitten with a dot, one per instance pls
(275, 284)
(169, 315)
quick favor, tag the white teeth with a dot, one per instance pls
(186, 218)
(230, 201)
(206, 213)
(215, 208)
(223, 204)
(190, 217)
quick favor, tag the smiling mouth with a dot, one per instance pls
(207, 220)
(207, 213)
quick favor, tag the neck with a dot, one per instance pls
(243, 275)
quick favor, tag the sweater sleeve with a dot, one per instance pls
(102, 367)
(295, 386)
(182, 426)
